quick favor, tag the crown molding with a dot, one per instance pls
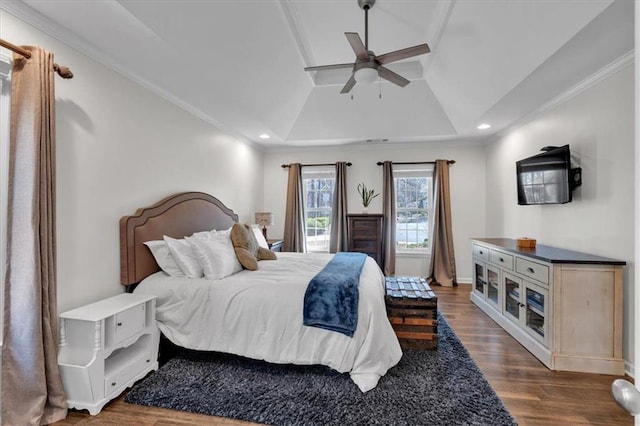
(34, 18)
(607, 71)
(292, 17)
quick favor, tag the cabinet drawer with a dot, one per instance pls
(481, 252)
(129, 322)
(115, 383)
(533, 270)
(365, 225)
(500, 258)
(364, 245)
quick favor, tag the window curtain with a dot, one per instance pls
(389, 212)
(294, 227)
(338, 240)
(442, 269)
(32, 390)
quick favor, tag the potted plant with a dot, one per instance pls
(366, 195)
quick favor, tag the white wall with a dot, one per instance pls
(467, 188)
(598, 124)
(120, 147)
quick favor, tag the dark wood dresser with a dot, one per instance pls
(365, 234)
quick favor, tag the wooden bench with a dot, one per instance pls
(412, 311)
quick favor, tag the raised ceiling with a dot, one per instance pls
(239, 63)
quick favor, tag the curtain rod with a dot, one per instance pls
(380, 163)
(63, 72)
(286, 166)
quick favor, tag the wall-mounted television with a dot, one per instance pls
(547, 178)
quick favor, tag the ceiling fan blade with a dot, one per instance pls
(358, 47)
(347, 87)
(391, 76)
(397, 55)
(328, 67)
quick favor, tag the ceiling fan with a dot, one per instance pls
(369, 66)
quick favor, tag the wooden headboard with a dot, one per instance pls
(177, 216)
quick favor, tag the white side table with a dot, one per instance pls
(105, 347)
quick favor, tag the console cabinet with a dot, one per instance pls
(105, 347)
(365, 235)
(565, 307)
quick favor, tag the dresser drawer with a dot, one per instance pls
(481, 252)
(501, 258)
(533, 270)
(364, 245)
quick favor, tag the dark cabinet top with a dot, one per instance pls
(548, 253)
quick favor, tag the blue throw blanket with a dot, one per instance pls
(331, 299)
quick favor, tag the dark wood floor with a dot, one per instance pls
(533, 394)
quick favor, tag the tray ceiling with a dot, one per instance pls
(239, 64)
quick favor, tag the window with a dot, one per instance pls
(413, 185)
(5, 95)
(318, 183)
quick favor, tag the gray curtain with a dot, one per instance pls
(294, 226)
(338, 240)
(32, 390)
(389, 212)
(442, 269)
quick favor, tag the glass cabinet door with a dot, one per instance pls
(493, 285)
(536, 301)
(478, 278)
(512, 292)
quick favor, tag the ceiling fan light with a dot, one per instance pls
(366, 75)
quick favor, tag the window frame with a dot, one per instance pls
(420, 171)
(318, 172)
(5, 117)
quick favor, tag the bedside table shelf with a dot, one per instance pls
(105, 347)
(275, 244)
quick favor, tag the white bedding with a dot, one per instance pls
(258, 314)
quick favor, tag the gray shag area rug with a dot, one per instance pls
(439, 387)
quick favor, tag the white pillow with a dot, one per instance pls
(216, 256)
(184, 257)
(163, 257)
(205, 235)
(259, 236)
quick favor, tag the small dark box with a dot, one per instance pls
(412, 310)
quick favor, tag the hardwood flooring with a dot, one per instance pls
(533, 394)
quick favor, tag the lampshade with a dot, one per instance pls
(264, 218)
(366, 75)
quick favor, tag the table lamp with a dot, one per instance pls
(264, 219)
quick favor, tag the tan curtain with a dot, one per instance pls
(294, 228)
(338, 240)
(32, 390)
(389, 212)
(443, 260)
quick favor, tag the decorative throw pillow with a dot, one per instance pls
(163, 257)
(216, 256)
(246, 247)
(184, 256)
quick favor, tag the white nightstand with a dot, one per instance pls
(105, 347)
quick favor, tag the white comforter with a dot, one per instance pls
(258, 314)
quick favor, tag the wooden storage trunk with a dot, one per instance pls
(412, 311)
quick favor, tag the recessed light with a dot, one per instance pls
(264, 136)
(484, 126)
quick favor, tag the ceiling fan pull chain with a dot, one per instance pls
(379, 88)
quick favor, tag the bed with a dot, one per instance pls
(256, 314)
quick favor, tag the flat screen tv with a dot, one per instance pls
(547, 178)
